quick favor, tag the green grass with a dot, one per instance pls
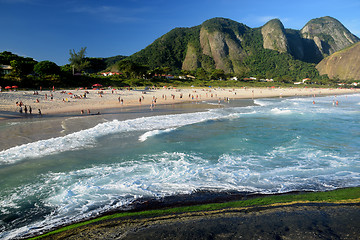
(345, 195)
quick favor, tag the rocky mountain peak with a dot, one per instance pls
(274, 36)
(328, 34)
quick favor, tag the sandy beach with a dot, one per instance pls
(93, 101)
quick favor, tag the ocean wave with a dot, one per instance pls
(87, 138)
(263, 102)
(88, 192)
(281, 111)
(152, 133)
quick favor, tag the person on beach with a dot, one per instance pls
(39, 111)
(25, 109)
(30, 110)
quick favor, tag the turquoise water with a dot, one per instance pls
(277, 145)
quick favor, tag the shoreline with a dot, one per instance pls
(58, 103)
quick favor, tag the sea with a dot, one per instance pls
(56, 170)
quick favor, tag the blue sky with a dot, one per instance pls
(47, 29)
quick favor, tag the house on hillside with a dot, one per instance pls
(187, 77)
(110, 73)
(167, 76)
(5, 69)
(303, 81)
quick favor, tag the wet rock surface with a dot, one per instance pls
(299, 221)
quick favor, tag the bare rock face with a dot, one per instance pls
(191, 58)
(328, 34)
(344, 65)
(274, 36)
(223, 49)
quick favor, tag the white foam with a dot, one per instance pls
(152, 133)
(280, 111)
(79, 194)
(262, 102)
(87, 138)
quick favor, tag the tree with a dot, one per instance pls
(167, 70)
(218, 74)
(46, 68)
(201, 74)
(78, 60)
(131, 69)
(95, 65)
(22, 67)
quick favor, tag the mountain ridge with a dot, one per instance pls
(224, 44)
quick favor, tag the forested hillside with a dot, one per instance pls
(269, 52)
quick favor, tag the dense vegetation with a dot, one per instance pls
(170, 51)
(28, 73)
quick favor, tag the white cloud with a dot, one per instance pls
(112, 14)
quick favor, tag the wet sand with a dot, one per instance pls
(16, 131)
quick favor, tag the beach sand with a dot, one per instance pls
(73, 101)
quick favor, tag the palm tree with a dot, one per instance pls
(77, 60)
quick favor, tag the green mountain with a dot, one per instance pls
(343, 65)
(235, 48)
(274, 36)
(328, 35)
(99, 64)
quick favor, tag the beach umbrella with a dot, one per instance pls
(7, 87)
(97, 85)
(14, 87)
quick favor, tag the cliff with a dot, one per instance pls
(343, 65)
